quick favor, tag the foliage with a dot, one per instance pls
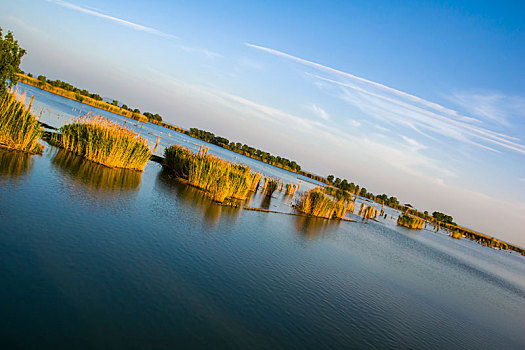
(19, 129)
(10, 56)
(247, 151)
(443, 217)
(104, 142)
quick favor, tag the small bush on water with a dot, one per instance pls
(19, 129)
(104, 142)
(219, 178)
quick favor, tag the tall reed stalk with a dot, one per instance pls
(104, 142)
(19, 129)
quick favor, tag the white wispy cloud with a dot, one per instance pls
(205, 52)
(117, 20)
(491, 106)
(413, 144)
(354, 123)
(397, 108)
(319, 111)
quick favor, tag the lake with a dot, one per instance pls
(92, 257)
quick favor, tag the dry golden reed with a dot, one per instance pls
(19, 129)
(104, 142)
(221, 179)
(316, 203)
(270, 185)
(410, 221)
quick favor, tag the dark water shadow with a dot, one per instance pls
(265, 202)
(95, 176)
(191, 197)
(312, 228)
(14, 164)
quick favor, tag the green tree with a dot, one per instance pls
(330, 178)
(10, 56)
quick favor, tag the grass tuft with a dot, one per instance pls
(270, 186)
(219, 178)
(19, 129)
(104, 142)
(316, 203)
(410, 221)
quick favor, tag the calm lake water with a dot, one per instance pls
(94, 257)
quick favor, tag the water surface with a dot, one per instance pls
(92, 257)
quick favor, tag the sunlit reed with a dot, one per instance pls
(19, 129)
(104, 142)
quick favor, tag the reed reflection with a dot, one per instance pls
(95, 176)
(265, 202)
(311, 227)
(194, 198)
(14, 164)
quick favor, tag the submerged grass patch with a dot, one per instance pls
(19, 129)
(316, 203)
(221, 179)
(104, 142)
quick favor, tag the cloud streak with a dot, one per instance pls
(398, 108)
(319, 111)
(122, 22)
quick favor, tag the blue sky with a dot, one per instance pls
(423, 100)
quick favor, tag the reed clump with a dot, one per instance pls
(289, 190)
(369, 212)
(221, 179)
(316, 203)
(410, 222)
(104, 142)
(19, 129)
(270, 185)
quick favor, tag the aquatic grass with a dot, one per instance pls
(270, 186)
(289, 190)
(410, 222)
(102, 141)
(19, 129)
(316, 203)
(221, 179)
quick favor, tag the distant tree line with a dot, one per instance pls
(390, 201)
(245, 150)
(81, 93)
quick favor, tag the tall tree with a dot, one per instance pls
(10, 56)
